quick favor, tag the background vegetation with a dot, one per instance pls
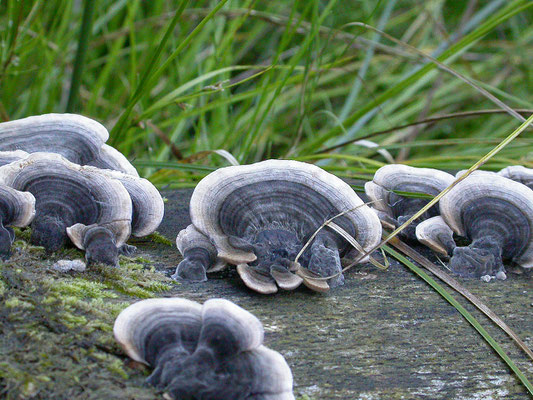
(275, 79)
(187, 86)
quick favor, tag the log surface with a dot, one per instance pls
(383, 335)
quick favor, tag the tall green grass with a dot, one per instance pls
(275, 79)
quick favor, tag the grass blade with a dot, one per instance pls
(484, 92)
(173, 165)
(462, 114)
(509, 11)
(296, 59)
(79, 62)
(360, 77)
(119, 127)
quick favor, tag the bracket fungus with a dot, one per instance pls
(495, 214)
(93, 209)
(7, 157)
(395, 208)
(259, 216)
(75, 137)
(210, 352)
(111, 158)
(147, 204)
(519, 173)
(79, 139)
(200, 253)
(16, 209)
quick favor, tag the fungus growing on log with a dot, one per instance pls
(75, 137)
(93, 209)
(397, 208)
(79, 139)
(495, 214)
(520, 174)
(111, 158)
(209, 352)
(7, 157)
(147, 204)
(16, 209)
(258, 217)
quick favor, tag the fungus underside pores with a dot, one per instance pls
(259, 216)
(93, 210)
(16, 209)
(84, 188)
(495, 214)
(212, 352)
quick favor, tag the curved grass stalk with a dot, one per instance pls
(444, 67)
(463, 114)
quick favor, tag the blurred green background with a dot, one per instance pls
(174, 81)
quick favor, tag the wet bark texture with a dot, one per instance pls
(383, 335)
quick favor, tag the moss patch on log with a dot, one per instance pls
(56, 328)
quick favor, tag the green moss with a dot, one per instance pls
(25, 246)
(158, 238)
(14, 302)
(135, 279)
(30, 383)
(22, 233)
(56, 328)
(71, 253)
(82, 288)
(71, 321)
(113, 364)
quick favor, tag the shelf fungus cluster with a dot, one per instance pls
(519, 173)
(209, 352)
(495, 214)
(96, 207)
(16, 209)
(259, 216)
(79, 139)
(391, 181)
(492, 211)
